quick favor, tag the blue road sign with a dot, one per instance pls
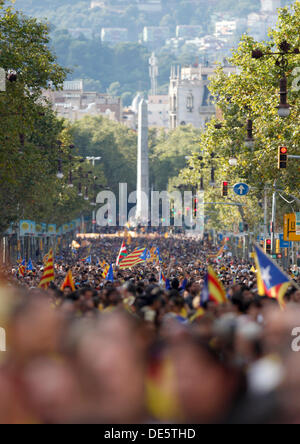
(283, 243)
(241, 189)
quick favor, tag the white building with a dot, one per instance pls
(74, 103)
(149, 6)
(114, 35)
(225, 27)
(189, 97)
(260, 23)
(158, 111)
(270, 5)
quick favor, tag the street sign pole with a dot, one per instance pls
(266, 213)
(273, 244)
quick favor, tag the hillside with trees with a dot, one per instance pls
(124, 68)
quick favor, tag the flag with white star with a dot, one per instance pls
(272, 281)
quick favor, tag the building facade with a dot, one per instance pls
(189, 97)
(158, 111)
(74, 103)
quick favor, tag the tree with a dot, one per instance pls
(253, 93)
(29, 130)
(114, 143)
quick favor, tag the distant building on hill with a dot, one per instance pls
(149, 6)
(155, 35)
(225, 27)
(260, 23)
(114, 35)
(74, 103)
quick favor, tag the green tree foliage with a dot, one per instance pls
(126, 63)
(114, 143)
(168, 154)
(253, 92)
(28, 129)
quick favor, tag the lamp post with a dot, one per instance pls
(60, 174)
(282, 63)
(93, 159)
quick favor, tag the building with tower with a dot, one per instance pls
(190, 101)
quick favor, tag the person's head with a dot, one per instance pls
(176, 303)
(113, 297)
(175, 284)
(67, 291)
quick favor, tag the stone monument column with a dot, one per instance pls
(142, 207)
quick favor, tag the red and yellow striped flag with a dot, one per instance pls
(216, 290)
(68, 282)
(48, 275)
(105, 271)
(132, 259)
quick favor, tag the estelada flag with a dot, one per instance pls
(271, 280)
(48, 275)
(122, 254)
(68, 282)
(213, 289)
(135, 258)
(22, 268)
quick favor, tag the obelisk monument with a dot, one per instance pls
(142, 207)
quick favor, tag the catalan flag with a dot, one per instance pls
(136, 257)
(271, 280)
(48, 275)
(68, 282)
(22, 268)
(213, 289)
(122, 254)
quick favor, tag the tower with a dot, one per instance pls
(153, 71)
(142, 207)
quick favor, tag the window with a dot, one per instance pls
(190, 102)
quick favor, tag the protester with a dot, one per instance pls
(146, 345)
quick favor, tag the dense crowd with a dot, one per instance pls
(134, 351)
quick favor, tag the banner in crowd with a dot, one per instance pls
(30, 228)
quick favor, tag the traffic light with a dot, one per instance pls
(268, 245)
(282, 157)
(225, 189)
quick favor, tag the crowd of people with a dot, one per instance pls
(136, 350)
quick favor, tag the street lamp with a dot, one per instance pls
(93, 159)
(249, 142)
(284, 109)
(281, 61)
(59, 174)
